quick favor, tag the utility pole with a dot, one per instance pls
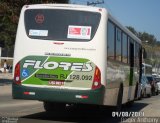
(95, 3)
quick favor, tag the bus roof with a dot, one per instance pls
(68, 6)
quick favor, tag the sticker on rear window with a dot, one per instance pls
(79, 32)
(33, 32)
(39, 18)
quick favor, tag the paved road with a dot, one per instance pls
(32, 111)
(16, 108)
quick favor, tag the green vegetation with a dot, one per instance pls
(151, 45)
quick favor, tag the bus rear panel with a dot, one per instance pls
(54, 58)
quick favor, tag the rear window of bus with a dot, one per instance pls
(62, 25)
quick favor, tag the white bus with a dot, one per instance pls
(73, 54)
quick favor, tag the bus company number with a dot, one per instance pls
(64, 76)
(80, 77)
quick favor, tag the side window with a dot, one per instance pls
(131, 49)
(137, 51)
(118, 44)
(125, 49)
(110, 41)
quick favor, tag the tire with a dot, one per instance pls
(136, 92)
(50, 106)
(119, 99)
(141, 95)
(157, 92)
(144, 94)
(148, 95)
(153, 91)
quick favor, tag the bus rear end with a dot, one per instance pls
(57, 55)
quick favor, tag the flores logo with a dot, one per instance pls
(86, 67)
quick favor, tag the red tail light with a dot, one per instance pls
(97, 79)
(17, 74)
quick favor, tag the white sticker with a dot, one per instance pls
(33, 32)
(79, 32)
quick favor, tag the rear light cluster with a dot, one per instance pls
(17, 79)
(97, 79)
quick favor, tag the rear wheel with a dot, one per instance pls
(136, 95)
(157, 92)
(141, 95)
(119, 99)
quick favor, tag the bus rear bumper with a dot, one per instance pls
(59, 95)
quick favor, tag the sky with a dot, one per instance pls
(143, 15)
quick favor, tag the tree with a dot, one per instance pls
(8, 24)
(144, 36)
(148, 37)
(132, 30)
(151, 45)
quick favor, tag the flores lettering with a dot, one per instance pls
(85, 67)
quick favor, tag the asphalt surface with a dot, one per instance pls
(25, 111)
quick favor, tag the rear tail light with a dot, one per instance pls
(17, 74)
(97, 79)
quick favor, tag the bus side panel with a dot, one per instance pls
(117, 73)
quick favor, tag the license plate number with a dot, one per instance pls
(56, 83)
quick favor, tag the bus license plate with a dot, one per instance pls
(56, 83)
